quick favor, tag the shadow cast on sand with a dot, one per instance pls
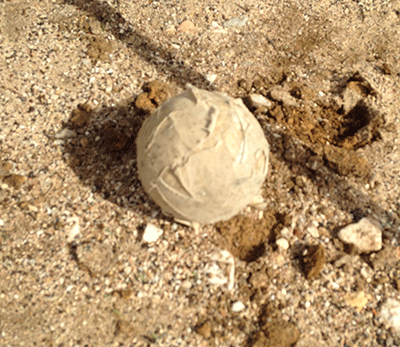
(176, 71)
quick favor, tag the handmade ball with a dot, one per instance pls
(202, 156)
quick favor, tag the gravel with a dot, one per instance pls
(75, 266)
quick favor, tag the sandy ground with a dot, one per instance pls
(75, 267)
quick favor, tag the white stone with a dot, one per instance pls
(390, 312)
(210, 78)
(259, 100)
(238, 306)
(366, 235)
(186, 285)
(152, 233)
(277, 93)
(65, 134)
(282, 243)
(286, 233)
(75, 230)
(313, 231)
(236, 22)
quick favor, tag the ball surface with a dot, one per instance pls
(202, 156)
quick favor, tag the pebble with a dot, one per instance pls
(65, 134)
(282, 244)
(352, 94)
(277, 93)
(205, 330)
(236, 22)
(366, 235)
(187, 26)
(313, 231)
(81, 115)
(74, 231)
(286, 233)
(59, 142)
(390, 312)
(258, 100)
(358, 300)
(186, 285)
(210, 77)
(238, 306)
(152, 233)
(84, 142)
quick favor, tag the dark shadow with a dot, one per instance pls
(255, 253)
(103, 155)
(176, 71)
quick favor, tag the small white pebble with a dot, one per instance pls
(1, 222)
(186, 285)
(335, 285)
(282, 243)
(286, 233)
(65, 134)
(74, 231)
(210, 78)
(390, 312)
(366, 235)
(238, 306)
(152, 233)
(313, 231)
(259, 100)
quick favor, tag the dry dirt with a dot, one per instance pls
(77, 80)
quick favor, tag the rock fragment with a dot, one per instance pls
(259, 101)
(278, 93)
(187, 26)
(65, 134)
(152, 233)
(238, 306)
(366, 235)
(204, 330)
(358, 300)
(282, 244)
(354, 92)
(236, 22)
(80, 116)
(390, 312)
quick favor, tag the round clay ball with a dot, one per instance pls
(202, 156)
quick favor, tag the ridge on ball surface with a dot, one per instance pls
(202, 156)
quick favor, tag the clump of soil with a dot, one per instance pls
(314, 261)
(330, 130)
(154, 94)
(245, 237)
(99, 48)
